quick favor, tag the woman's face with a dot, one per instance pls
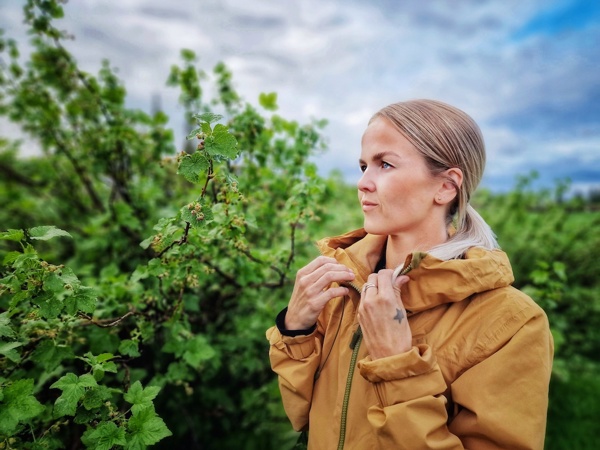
(396, 190)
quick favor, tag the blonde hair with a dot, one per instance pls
(448, 138)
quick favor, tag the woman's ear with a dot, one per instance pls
(451, 181)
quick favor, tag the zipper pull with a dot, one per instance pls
(355, 337)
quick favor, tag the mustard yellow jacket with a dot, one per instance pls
(477, 376)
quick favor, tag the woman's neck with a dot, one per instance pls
(400, 246)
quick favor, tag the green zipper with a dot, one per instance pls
(348, 387)
(355, 345)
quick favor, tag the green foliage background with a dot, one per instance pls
(137, 279)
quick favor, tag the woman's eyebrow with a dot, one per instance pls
(378, 157)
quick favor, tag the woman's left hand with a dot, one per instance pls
(382, 315)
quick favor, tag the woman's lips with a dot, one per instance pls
(368, 206)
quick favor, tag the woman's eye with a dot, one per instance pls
(385, 165)
(363, 167)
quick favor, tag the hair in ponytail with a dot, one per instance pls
(447, 137)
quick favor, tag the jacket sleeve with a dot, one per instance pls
(500, 402)
(295, 360)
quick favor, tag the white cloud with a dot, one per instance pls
(344, 60)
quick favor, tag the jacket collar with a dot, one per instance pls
(433, 281)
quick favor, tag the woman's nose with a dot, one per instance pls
(365, 182)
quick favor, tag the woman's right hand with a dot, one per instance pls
(312, 291)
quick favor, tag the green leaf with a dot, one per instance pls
(26, 260)
(221, 143)
(96, 396)
(49, 355)
(198, 350)
(12, 235)
(192, 134)
(198, 214)
(208, 117)
(146, 428)
(193, 166)
(45, 233)
(53, 283)
(50, 306)
(18, 404)
(206, 128)
(268, 101)
(560, 270)
(8, 349)
(104, 437)
(127, 347)
(139, 397)
(10, 258)
(5, 325)
(146, 242)
(100, 364)
(86, 298)
(73, 388)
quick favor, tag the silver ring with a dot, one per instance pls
(367, 286)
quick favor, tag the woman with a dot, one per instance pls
(407, 334)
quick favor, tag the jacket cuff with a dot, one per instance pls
(404, 377)
(296, 347)
(280, 322)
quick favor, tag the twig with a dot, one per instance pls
(106, 323)
(181, 241)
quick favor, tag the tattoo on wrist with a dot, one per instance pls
(399, 315)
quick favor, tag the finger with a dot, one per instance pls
(370, 285)
(373, 279)
(384, 283)
(315, 264)
(334, 292)
(399, 281)
(318, 303)
(324, 275)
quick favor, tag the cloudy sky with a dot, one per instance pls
(528, 71)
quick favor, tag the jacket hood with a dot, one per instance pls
(433, 281)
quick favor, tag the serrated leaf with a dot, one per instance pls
(50, 306)
(140, 273)
(69, 277)
(8, 349)
(83, 416)
(45, 233)
(201, 217)
(73, 388)
(95, 397)
(49, 355)
(53, 283)
(18, 404)
(100, 364)
(198, 350)
(208, 117)
(206, 128)
(104, 437)
(12, 235)
(221, 143)
(10, 258)
(139, 397)
(146, 428)
(26, 260)
(5, 325)
(127, 347)
(192, 134)
(86, 299)
(193, 166)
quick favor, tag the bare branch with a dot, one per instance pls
(106, 323)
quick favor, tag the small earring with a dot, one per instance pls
(439, 199)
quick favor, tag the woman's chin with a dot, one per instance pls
(371, 229)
